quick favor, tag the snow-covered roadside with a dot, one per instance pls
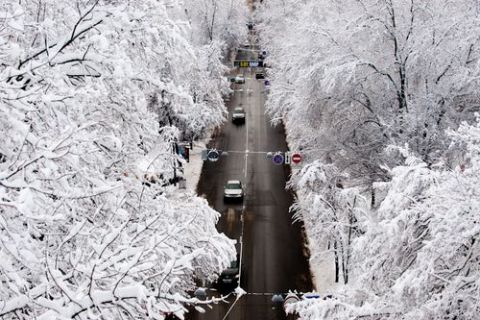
(322, 264)
(322, 260)
(193, 169)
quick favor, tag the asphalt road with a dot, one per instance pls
(274, 259)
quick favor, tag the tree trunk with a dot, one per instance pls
(337, 267)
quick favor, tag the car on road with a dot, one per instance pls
(240, 79)
(259, 75)
(238, 115)
(233, 190)
(230, 276)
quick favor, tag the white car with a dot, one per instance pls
(238, 115)
(239, 79)
(233, 190)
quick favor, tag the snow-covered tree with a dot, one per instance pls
(349, 79)
(92, 96)
(418, 256)
(329, 211)
(218, 20)
(365, 74)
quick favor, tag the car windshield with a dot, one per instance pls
(233, 185)
(239, 110)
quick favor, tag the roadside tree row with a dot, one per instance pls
(381, 97)
(93, 95)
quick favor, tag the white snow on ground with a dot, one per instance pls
(322, 266)
(322, 261)
(193, 169)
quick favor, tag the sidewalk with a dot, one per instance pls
(193, 169)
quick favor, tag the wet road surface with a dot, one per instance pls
(274, 257)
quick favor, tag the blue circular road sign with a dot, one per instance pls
(278, 158)
(213, 155)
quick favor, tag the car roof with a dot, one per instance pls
(238, 109)
(233, 181)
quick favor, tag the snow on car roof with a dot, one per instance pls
(233, 181)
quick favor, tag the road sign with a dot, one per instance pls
(296, 158)
(277, 298)
(311, 295)
(290, 298)
(205, 154)
(183, 150)
(246, 63)
(278, 158)
(213, 155)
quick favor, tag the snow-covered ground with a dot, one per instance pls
(322, 267)
(193, 169)
(322, 261)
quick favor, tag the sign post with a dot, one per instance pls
(287, 157)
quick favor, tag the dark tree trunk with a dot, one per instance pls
(337, 267)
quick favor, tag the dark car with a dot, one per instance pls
(259, 75)
(230, 276)
(238, 115)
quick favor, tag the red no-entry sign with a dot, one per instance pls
(296, 158)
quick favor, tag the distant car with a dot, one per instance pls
(259, 75)
(239, 79)
(230, 275)
(233, 190)
(238, 115)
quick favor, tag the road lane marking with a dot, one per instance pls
(242, 215)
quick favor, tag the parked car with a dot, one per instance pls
(233, 190)
(239, 79)
(238, 115)
(259, 75)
